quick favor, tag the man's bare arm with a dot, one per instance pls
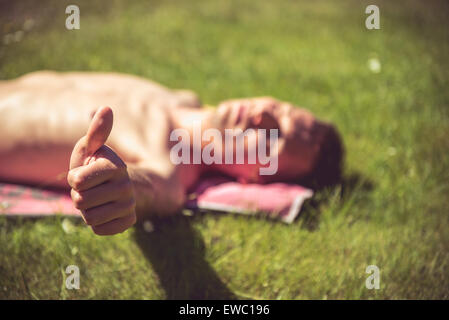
(156, 195)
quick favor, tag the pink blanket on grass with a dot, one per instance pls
(28, 201)
(278, 200)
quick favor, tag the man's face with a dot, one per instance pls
(299, 136)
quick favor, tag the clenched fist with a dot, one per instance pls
(101, 187)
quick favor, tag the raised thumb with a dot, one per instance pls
(98, 132)
(99, 129)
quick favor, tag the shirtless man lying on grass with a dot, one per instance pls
(54, 129)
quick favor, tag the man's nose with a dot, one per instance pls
(265, 120)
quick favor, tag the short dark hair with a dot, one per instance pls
(328, 168)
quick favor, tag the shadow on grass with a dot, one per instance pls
(176, 252)
(347, 188)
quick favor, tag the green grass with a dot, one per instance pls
(391, 209)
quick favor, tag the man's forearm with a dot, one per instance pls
(155, 195)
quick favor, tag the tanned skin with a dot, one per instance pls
(105, 137)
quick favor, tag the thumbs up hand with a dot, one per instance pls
(101, 187)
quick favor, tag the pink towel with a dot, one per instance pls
(28, 201)
(278, 200)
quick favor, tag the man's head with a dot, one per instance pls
(308, 150)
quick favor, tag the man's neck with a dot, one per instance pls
(186, 118)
